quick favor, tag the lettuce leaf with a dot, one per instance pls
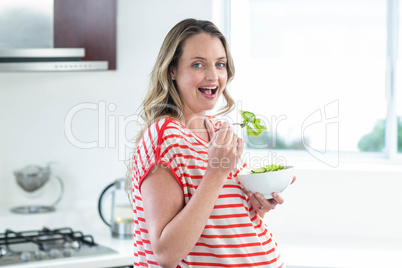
(258, 128)
(246, 116)
(256, 123)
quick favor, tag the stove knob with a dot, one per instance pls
(39, 255)
(54, 253)
(68, 252)
(3, 252)
(26, 256)
(73, 244)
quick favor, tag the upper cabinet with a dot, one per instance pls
(57, 35)
(89, 24)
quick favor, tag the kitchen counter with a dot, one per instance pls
(339, 251)
(299, 250)
(86, 221)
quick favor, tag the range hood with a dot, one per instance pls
(27, 43)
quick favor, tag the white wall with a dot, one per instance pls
(339, 201)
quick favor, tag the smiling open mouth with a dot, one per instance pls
(208, 90)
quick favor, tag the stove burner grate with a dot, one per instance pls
(46, 237)
(18, 247)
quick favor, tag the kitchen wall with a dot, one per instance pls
(352, 200)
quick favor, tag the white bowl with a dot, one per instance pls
(268, 182)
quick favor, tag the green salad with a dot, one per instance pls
(267, 168)
(256, 123)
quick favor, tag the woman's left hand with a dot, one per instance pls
(262, 205)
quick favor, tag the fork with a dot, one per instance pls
(242, 125)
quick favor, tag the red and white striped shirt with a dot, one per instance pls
(234, 236)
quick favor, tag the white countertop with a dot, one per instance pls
(301, 250)
(325, 254)
(87, 221)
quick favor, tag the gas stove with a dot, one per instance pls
(46, 244)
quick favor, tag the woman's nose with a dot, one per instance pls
(211, 74)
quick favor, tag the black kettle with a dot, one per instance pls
(121, 220)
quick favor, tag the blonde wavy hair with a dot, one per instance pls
(162, 99)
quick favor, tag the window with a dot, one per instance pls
(398, 90)
(316, 73)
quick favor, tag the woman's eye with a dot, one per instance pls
(220, 64)
(197, 65)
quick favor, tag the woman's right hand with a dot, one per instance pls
(225, 150)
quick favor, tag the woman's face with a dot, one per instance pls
(201, 73)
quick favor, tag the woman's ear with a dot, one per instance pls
(173, 73)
